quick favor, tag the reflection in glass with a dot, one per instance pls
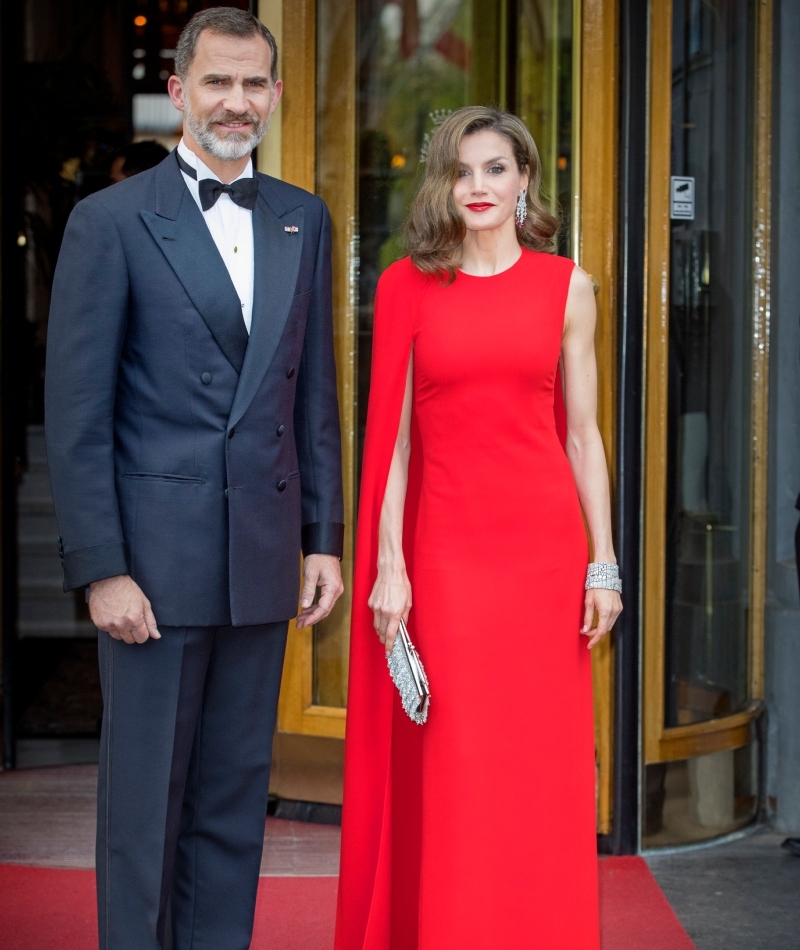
(417, 61)
(415, 67)
(700, 798)
(709, 368)
(543, 99)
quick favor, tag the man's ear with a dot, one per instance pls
(277, 89)
(175, 90)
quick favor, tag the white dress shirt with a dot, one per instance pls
(230, 226)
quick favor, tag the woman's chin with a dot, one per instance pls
(475, 222)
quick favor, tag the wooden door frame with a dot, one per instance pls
(289, 152)
(291, 155)
(661, 743)
(595, 211)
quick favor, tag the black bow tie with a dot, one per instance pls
(243, 192)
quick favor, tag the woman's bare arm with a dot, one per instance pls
(585, 445)
(390, 600)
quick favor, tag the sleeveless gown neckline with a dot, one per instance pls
(500, 273)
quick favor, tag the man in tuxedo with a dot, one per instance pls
(194, 447)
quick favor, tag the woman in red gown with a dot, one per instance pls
(477, 830)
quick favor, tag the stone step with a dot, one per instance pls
(35, 485)
(37, 447)
(39, 570)
(36, 466)
(39, 504)
(43, 608)
(37, 527)
(29, 629)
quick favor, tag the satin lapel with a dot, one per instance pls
(180, 231)
(276, 255)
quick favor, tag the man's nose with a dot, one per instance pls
(236, 100)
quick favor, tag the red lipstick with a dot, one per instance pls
(480, 206)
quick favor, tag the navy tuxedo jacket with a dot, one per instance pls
(182, 452)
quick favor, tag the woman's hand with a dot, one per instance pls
(390, 602)
(607, 604)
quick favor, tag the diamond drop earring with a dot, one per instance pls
(522, 209)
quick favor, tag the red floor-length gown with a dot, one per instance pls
(475, 831)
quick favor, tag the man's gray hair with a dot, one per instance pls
(225, 21)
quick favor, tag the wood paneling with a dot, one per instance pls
(595, 208)
(299, 104)
(713, 735)
(299, 164)
(656, 352)
(270, 12)
(336, 182)
(759, 405)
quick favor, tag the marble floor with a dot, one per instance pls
(741, 895)
(47, 819)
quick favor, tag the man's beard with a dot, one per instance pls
(233, 145)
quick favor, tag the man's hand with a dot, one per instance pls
(323, 571)
(118, 606)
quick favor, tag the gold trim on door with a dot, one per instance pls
(296, 163)
(759, 410)
(595, 213)
(663, 744)
(594, 226)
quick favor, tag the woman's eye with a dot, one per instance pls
(497, 169)
(462, 173)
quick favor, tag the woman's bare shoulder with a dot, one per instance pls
(581, 288)
(581, 309)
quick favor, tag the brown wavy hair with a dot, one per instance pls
(435, 229)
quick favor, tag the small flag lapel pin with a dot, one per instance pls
(291, 229)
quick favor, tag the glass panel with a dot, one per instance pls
(102, 69)
(335, 181)
(417, 61)
(543, 98)
(700, 798)
(709, 362)
(416, 65)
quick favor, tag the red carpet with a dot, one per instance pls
(634, 913)
(42, 908)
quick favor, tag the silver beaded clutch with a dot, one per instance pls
(409, 676)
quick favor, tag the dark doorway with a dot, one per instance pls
(82, 81)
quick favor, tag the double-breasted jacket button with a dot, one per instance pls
(281, 429)
(206, 378)
(290, 373)
(282, 485)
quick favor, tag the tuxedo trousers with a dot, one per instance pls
(185, 754)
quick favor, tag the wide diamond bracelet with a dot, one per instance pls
(603, 577)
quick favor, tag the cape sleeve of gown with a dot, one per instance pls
(363, 912)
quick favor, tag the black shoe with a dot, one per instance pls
(792, 845)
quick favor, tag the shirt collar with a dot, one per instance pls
(203, 171)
